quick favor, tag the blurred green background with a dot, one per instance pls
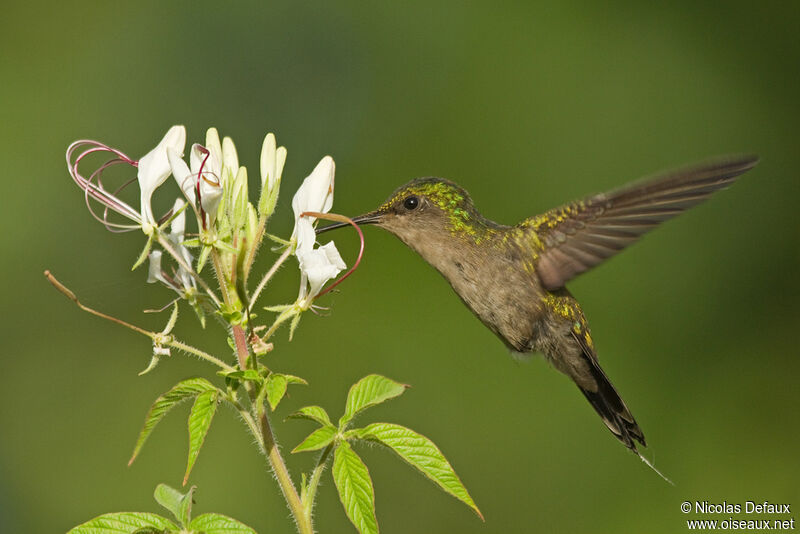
(525, 105)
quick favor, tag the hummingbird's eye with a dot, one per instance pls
(411, 202)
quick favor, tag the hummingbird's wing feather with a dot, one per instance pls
(577, 236)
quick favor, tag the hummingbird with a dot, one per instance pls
(513, 278)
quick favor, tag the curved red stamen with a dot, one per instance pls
(335, 217)
(203, 150)
(96, 191)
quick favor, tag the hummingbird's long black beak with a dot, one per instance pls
(372, 217)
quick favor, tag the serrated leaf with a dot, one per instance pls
(291, 379)
(369, 391)
(318, 439)
(247, 374)
(124, 523)
(354, 485)
(177, 503)
(163, 404)
(313, 413)
(421, 453)
(277, 383)
(219, 524)
(203, 410)
(276, 389)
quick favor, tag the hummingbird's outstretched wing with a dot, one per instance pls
(577, 236)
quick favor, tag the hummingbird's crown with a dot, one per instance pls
(447, 195)
(463, 219)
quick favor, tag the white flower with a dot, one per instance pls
(205, 170)
(154, 169)
(314, 194)
(272, 161)
(317, 266)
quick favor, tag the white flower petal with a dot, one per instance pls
(316, 191)
(178, 224)
(154, 168)
(210, 195)
(320, 266)
(154, 274)
(213, 145)
(305, 236)
(205, 157)
(230, 159)
(268, 161)
(332, 253)
(182, 175)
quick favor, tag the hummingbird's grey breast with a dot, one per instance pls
(490, 278)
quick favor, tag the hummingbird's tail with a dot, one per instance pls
(609, 405)
(601, 394)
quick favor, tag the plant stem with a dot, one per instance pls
(282, 475)
(200, 354)
(251, 255)
(263, 433)
(313, 483)
(283, 257)
(172, 343)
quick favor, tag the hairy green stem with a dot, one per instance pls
(313, 483)
(282, 475)
(263, 433)
(283, 257)
(251, 256)
(200, 354)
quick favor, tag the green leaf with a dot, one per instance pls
(163, 404)
(276, 387)
(203, 410)
(178, 504)
(296, 380)
(279, 308)
(145, 253)
(313, 413)
(354, 485)
(369, 391)
(421, 453)
(219, 524)
(247, 374)
(203, 257)
(173, 318)
(293, 325)
(225, 247)
(124, 523)
(318, 439)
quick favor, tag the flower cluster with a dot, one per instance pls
(214, 188)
